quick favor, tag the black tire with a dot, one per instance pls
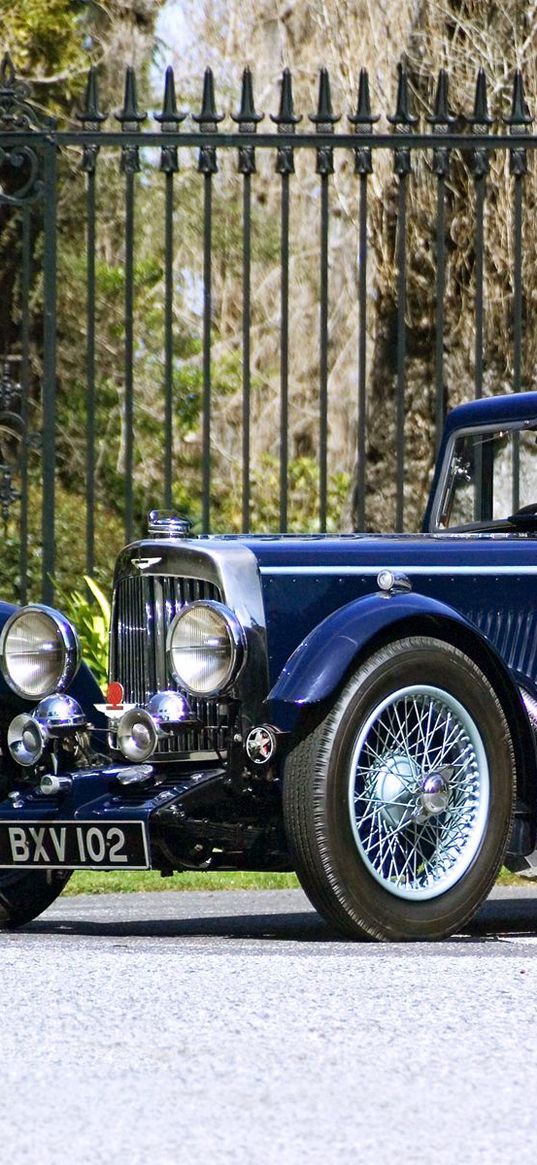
(26, 893)
(431, 813)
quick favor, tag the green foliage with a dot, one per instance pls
(303, 498)
(54, 42)
(90, 615)
(47, 37)
(132, 881)
(69, 24)
(69, 540)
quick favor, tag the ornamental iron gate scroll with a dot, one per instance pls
(31, 148)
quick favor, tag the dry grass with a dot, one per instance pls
(346, 35)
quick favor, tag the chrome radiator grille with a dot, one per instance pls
(144, 607)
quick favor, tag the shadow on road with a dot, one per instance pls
(508, 917)
(505, 917)
(304, 927)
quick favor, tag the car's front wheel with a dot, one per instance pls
(398, 805)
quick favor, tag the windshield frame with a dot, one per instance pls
(443, 484)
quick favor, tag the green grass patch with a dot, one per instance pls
(133, 881)
(506, 878)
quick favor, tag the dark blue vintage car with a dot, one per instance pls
(361, 709)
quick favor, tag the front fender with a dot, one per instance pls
(321, 662)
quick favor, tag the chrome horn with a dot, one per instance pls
(140, 728)
(26, 740)
(55, 716)
(137, 735)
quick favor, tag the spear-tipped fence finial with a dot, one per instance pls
(7, 72)
(363, 115)
(247, 116)
(324, 118)
(442, 116)
(520, 116)
(402, 118)
(169, 117)
(90, 111)
(286, 117)
(130, 116)
(480, 115)
(208, 117)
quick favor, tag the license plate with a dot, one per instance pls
(74, 845)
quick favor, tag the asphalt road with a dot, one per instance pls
(234, 1027)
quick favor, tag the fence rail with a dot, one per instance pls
(37, 162)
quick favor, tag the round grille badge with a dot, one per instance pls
(260, 745)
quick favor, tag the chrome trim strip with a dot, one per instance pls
(361, 571)
(160, 638)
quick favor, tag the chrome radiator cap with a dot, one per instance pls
(168, 524)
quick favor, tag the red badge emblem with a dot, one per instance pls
(114, 707)
(114, 694)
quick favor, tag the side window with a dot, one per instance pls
(528, 468)
(491, 475)
(459, 500)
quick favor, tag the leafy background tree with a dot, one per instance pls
(53, 43)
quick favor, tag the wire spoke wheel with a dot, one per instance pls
(419, 791)
(398, 803)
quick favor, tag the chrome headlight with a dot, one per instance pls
(39, 652)
(206, 648)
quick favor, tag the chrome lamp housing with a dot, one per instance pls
(55, 717)
(39, 652)
(206, 648)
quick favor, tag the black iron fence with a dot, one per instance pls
(67, 367)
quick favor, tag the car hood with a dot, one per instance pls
(362, 551)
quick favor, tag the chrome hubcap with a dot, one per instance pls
(393, 789)
(404, 794)
(435, 794)
(419, 791)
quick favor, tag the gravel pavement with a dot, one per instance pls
(234, 1027)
